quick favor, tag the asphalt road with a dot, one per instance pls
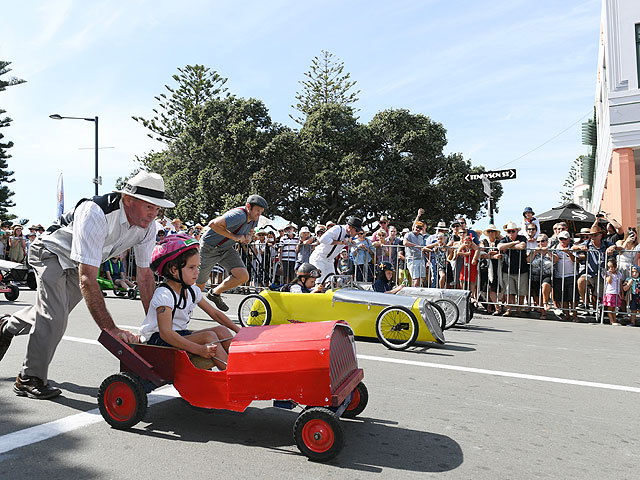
(504, 398)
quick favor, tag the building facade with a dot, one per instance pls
(610, 182)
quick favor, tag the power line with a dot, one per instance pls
(590, 112)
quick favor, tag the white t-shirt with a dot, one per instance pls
(614, 286)
(162, 297)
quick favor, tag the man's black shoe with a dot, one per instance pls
(5, 337)
(33, 387)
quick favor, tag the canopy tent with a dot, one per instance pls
(574, 215)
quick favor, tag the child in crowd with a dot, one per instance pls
(612, 298)
(177, 259)
(384, 281)
(632, 285)
(469, 272)
(114, 272)
(344, 265)
(439, 250)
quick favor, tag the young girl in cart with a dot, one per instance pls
(177, 259)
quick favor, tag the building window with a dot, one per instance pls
(638, 51)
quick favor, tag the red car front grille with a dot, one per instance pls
(342, 356)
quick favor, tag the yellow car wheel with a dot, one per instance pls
(397, 328)
(254, 311)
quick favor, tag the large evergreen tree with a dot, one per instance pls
(196, 84)
(325, 84)
(5, 174)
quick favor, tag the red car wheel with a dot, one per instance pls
(358, 402)
(122, 400)
(318, 434)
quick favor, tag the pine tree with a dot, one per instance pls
(196, 85)
(325, 84)
(5, 174)
(566, 196)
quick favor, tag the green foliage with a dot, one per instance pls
(566, 195)
(410, 171)
(210, 166)
(196, 85)
(334, 166)
(5, 174)
(325, 84)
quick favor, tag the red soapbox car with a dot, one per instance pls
(311, 364)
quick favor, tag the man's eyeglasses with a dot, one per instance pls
(531, 229)
(511, 231)
(382, 222)
(563, 239)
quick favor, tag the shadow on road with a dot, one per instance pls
(370, 444)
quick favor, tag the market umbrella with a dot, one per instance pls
(574, 215)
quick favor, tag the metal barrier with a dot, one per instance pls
(568, 281)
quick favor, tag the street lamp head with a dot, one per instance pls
(55, 116)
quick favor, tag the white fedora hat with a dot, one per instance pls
(149, 187)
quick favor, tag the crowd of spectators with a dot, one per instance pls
(515, 269)
(15, 243)
(511, 270)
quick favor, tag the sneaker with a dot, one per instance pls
(5, 337)
(33, 387)
(217, 300)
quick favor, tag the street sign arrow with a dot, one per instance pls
(492, 175)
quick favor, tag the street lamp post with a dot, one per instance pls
(96, 179)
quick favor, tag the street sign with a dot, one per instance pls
(486, 184)
(493, 175)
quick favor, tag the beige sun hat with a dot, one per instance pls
(149, 187)
(510, 226)
(491, 228)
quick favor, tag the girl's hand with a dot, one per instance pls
(208, 351)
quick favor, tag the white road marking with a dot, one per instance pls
(38, 433)
(498, 373)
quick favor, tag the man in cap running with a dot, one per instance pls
(235, 226)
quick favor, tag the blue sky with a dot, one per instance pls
(503, 77)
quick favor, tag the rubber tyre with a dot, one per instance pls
(13, 294)
(358, 403)
(397, 328)
(451, 312)
(31, 281)
(122, 400)
(252, 315)
(318, 434)
(440, 311)
(132, 294)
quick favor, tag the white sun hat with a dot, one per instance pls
(149, 187)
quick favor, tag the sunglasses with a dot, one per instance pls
(511, 231)
(531, 229)
(382, 222)
(563, 239)
(542, 241)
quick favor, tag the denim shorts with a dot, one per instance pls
(157, 340)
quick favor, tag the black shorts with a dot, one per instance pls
(156, 339)
(634, 303)
(536, 282)
(563, 289)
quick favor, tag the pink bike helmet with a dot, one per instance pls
(170, 248)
